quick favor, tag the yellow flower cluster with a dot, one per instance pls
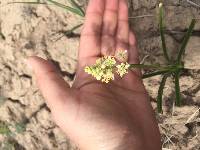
(105, 67)
(122, 55)
(123, 69)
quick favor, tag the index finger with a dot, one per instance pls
(90, 43)
(122, 37)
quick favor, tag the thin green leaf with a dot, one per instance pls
(177, 88)
(74, 3)
(156, 73)
(71, 9)
(37, 3)
(68, 8)
(69, 33)
(74, 28)
(185, 41)
(161, 27)
(160, 93)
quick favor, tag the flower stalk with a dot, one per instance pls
(106, 67)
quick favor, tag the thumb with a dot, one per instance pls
(53, 87)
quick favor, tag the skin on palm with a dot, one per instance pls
(94, 115)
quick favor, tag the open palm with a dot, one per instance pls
(98, 116)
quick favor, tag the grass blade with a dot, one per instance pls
(68, 33)
(71, 9)
(74, 28)
(160, 93)
(73, 2)
(68, 8)
(161, 28)
(26, 3)
(177, 88)
(156, 73)
(185, 41)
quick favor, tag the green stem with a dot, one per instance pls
(185, 41)
(160, 69)
(142, 66)
(156, 73)
(177, 88)
(161, 27)
(156, 66)
(160, 93)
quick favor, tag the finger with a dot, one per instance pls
(133, 50)
(133, 53)
(53, 87)
(90, 42)
(109, 27)
(122, 37)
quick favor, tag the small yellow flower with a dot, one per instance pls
(88, 70)
(123, 69)
(103, 69)
(108, 76)
(122, 55)
(160, 5)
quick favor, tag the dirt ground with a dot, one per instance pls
(35, 29)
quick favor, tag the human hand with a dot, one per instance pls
(98, 116)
